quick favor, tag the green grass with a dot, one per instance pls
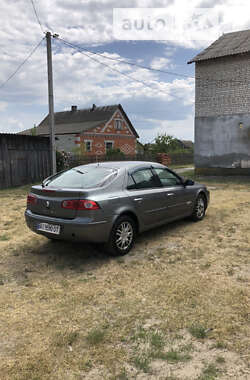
(198, 331)
(65, 339)
(220, 345)
(174, 356)
(4, 237)
(121, 376)
(142, 363)
(210, 372)
(157, 340)
(220, 359)
(155, 343)
(140, 334)
(95, 336)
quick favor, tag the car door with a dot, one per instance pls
(145, 192)
(178, 199)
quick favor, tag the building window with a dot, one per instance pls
(88, 145)
(109, 145)
(118, 124)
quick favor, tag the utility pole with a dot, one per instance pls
(51, 105)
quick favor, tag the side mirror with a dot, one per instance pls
(188, 182)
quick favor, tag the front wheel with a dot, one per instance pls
(199, 208)
(122, 236)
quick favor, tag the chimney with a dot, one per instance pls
(73, 108)
(93, 108)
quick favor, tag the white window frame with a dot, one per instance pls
(108, 141)
(120, 123)
(85, 143)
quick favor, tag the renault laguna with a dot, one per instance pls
(112, 202)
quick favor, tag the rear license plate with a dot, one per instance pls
(51, 228)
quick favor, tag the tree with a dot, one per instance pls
(164, 143)
(33, 130)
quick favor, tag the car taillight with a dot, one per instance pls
(31, 199)
(80, 204)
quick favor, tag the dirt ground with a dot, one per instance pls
(176, 307)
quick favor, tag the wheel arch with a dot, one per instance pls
(132, 215)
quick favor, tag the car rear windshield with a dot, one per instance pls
(83, 178)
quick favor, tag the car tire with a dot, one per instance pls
(122, 236)
(199, 208)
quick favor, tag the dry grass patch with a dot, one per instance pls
(174, 307)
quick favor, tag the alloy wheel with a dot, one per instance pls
(124, 235)
(200, 207)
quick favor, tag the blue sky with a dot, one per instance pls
(166, 107)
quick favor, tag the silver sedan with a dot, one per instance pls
(111, 202)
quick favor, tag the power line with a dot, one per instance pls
(118, 71)
(111, 68)
(38, 20)
(21, 64)
(147, 67)
(127, 62)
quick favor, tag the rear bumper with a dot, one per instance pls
(78, 229)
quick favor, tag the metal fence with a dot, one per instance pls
(23, 159)
(183, 158)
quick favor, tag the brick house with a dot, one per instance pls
(222, 106)
(94, 130)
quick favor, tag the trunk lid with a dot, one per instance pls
(49, 201)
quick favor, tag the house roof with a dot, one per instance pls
(188, 143)
(64, 128)
(228, 44)
(82, 120)
(82, 115)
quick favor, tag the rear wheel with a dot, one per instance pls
(199, 209)
(122, 236)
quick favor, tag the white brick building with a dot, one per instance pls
(222, 106)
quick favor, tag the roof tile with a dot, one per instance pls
(228, 44)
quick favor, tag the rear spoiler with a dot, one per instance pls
(51, 177)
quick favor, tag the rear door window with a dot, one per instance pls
(83, 178)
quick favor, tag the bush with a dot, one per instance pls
(115, 154)
(59, 161)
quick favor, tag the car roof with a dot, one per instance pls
(123, 164)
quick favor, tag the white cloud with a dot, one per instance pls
(182, 129)
(3, 106)
(160, 63)
(11, 125)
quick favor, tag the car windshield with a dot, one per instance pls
(83, 178)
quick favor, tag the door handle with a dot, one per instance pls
(170, 194)
(137, 199)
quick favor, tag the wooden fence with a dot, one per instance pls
(23, 159)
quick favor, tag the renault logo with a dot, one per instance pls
(47, 204)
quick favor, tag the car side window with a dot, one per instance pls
(131, 183)
(144, 179)
(167, 178)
